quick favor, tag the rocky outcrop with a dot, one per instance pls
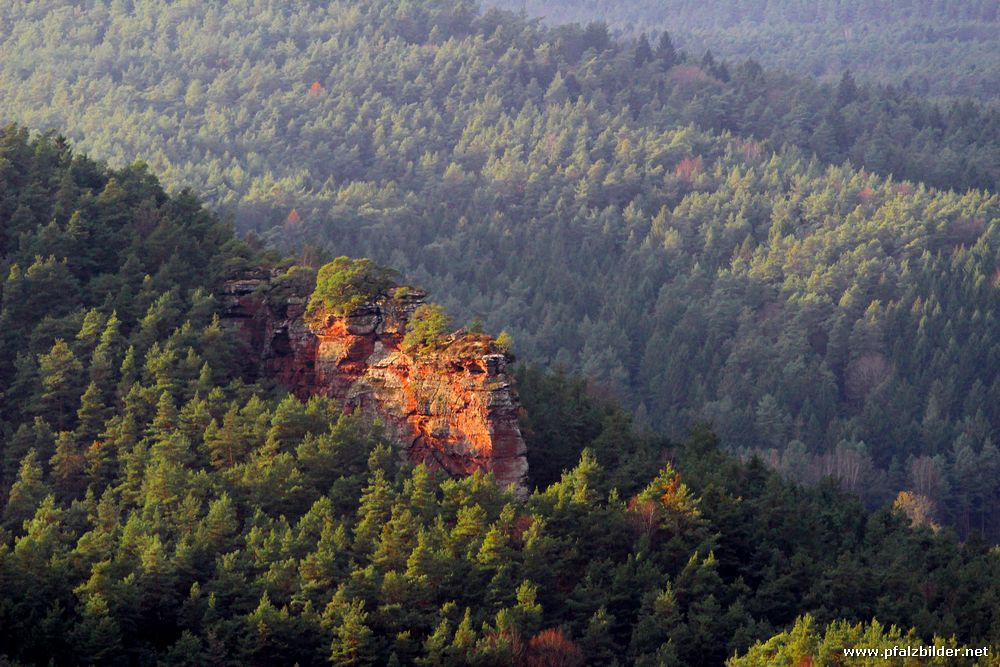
(453, 407)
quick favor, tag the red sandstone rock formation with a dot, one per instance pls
(454, 407)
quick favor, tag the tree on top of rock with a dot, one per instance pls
(427, 326)
(345, 283)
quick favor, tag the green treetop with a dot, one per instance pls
(345, 283)
(427, 326)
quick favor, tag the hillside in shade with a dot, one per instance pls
(683, 232)
(166, 500)
(425, 333)
(937, 49)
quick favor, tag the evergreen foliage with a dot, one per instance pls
(687, 233)
(184, 516)
(426, 327)
(683, 231)
(344, 284)
(934, 48)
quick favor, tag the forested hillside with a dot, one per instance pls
(266, 105)
(933, 47)
(162, 505)
(659, 224)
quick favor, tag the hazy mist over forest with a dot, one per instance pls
(382, 332)
(936, 48)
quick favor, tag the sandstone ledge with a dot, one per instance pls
(454, 407)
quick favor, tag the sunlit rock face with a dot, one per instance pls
(454, 407)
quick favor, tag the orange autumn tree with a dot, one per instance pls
(664, 503)
(551, 648)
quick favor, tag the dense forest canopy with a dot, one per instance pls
(684, 232)
(162, 505)
(936, 48)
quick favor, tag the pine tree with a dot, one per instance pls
(38, 436)
(422, 563)
(373, 512)
(166, 420)
(527, 614)
(665, 51)
(436, 645)
(597, 642)
(657, 619)
(68, 465)
(26, 493)
(60, 373)
(92, 414)
(847, 90)
(98, 637)
(129, 372)
(217, 531)
(194, 418)
(289, 422)
(643, 51)
(421, 492)
(90, 333)
(227, 444)
(397, 540)
(352, 644)
(464, 642)
(204, 383)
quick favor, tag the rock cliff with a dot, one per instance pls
(453, 407)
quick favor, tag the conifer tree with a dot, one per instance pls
(26, 493)
(60, 372)
(373, 512)
(92, 413)
(352, 641)
(68, 465)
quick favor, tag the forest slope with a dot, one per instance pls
(592, 197)
(934, 48)
(158, 506)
